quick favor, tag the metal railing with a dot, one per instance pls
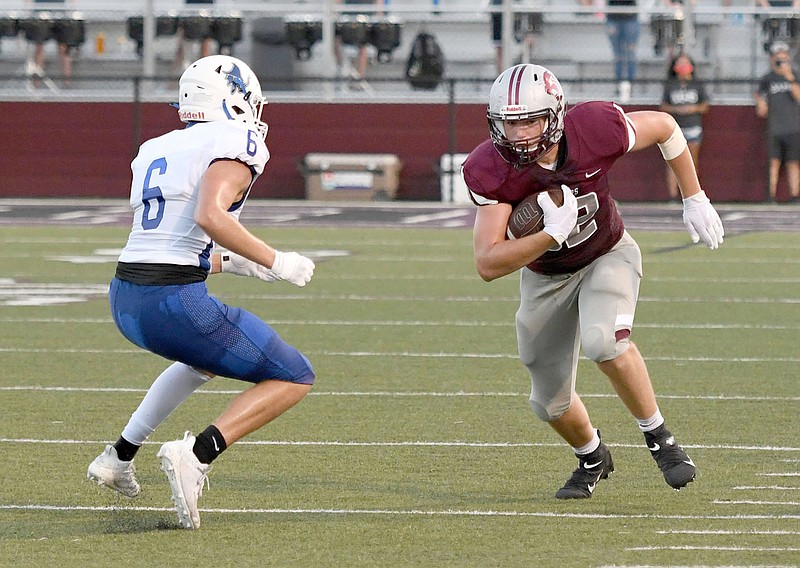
(728, 41)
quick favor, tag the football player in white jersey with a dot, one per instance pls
(188, 189)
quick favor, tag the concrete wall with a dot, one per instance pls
(84, 149)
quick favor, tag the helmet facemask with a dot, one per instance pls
(525, 150)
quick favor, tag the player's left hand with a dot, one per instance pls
(702, 220)
(237, 264)
(293, 267)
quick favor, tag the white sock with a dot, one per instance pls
(590, 447)
(650, 424)
(167, 393)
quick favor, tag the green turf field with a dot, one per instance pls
(417, 446)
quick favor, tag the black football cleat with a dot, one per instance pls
(591, 469)
(678, 468)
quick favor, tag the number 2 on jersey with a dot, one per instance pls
(151, 194)
(585, 226)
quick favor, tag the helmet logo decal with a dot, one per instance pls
(550, 85)
(235, 80)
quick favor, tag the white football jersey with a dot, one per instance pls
(166, 179)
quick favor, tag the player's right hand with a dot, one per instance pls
(293, 267)
(559, 221)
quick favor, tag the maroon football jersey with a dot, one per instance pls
(596, 136)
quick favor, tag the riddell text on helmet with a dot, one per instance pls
(187, 115)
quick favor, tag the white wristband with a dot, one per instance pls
(674, 145)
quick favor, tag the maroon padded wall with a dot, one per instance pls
(732, 164)
(84, 149)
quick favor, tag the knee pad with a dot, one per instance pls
(601, 343)
(547, 413)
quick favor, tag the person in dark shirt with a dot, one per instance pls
(685, 98)
(778, 100)
(579, 279)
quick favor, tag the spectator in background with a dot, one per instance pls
(623, 31)
(206, 44)
(685, 98)
(778, 27)
(64, 50)
(497, 35)
(363, 56)
(526, 26)
(778, 100)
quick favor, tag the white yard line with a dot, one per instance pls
(403, 512)
(412, 444)
(389, 394)
(411, 354)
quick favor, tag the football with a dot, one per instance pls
(527, 217)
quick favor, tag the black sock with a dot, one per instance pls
(209, 444)
(125, 450)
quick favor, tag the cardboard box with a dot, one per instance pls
(352, 177)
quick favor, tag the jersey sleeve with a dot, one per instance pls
(483, 175)
(237, 141)
(599, 131)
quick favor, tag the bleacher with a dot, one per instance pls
(727, 45)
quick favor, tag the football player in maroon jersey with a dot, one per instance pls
(580, 275)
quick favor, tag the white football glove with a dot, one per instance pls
(559, 221)
(237, 264)
(702, 220)
(293, 267)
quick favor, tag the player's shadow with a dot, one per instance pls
(690, 244)
(124, 521)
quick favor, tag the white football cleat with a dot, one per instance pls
(108, 470)
(186, 477)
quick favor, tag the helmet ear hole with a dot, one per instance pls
(238, 110)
